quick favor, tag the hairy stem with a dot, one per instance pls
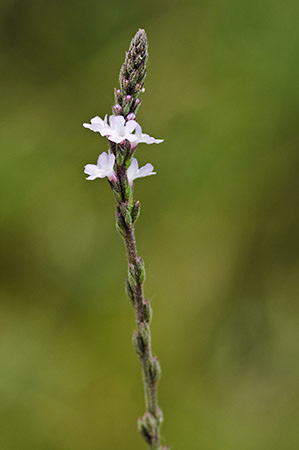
(150, 387)
(126, 214)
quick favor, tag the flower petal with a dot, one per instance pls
(117, 123)
(96, 124)
(130, 126)
(132, 170)
(146, 170)
(115, 138)
(93, 171)
(111, 159)
(102, 160)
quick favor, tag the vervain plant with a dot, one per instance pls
(121, 169)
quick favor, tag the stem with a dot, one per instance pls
(150, 388)
(126, 214)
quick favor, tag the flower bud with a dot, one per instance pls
(140, 270)
(132, 276)
(138, 344)
(117, 109)
(134, 68)
(130, 291)
(148, 312)
(147, 426)
(126, 214)
(117, 96)
(135, 211)
(131, 116)
(125, 84)
(136, 105)
(120, 222)
(145, 333)
(159, 416)
(155, 370)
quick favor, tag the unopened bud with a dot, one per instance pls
(159, 416)
(155, 370)
(136, 104)
(132, 276)
(120, 222)
(117, 109)
(125, 84)
(147, 427)
(145, 333)
(117, 96)
(125, 211)
(138, 344)
(130, 291)
(140, 270)
(135, 211)
(148, 312)
(115, 190)
(131, 116)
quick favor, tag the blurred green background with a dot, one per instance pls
(218, 229)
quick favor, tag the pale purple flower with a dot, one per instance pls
(103, 168)
(118, 130)
(134, 172)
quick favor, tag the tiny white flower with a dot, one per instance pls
(103, 168)
(118, 130)
(134, 172)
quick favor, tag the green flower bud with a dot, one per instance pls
(145, 333)
(155, 370)
(140, 270)
(147, 426)
(135, 211)
(131, 276)
(139, 344)
(159, 416)
(130, 291)
(148, 312)
(126, 214)
(120, 222)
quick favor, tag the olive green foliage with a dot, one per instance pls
(218, 229)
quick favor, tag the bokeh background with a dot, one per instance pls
(218, 229)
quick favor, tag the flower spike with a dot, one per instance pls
(120, 167)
